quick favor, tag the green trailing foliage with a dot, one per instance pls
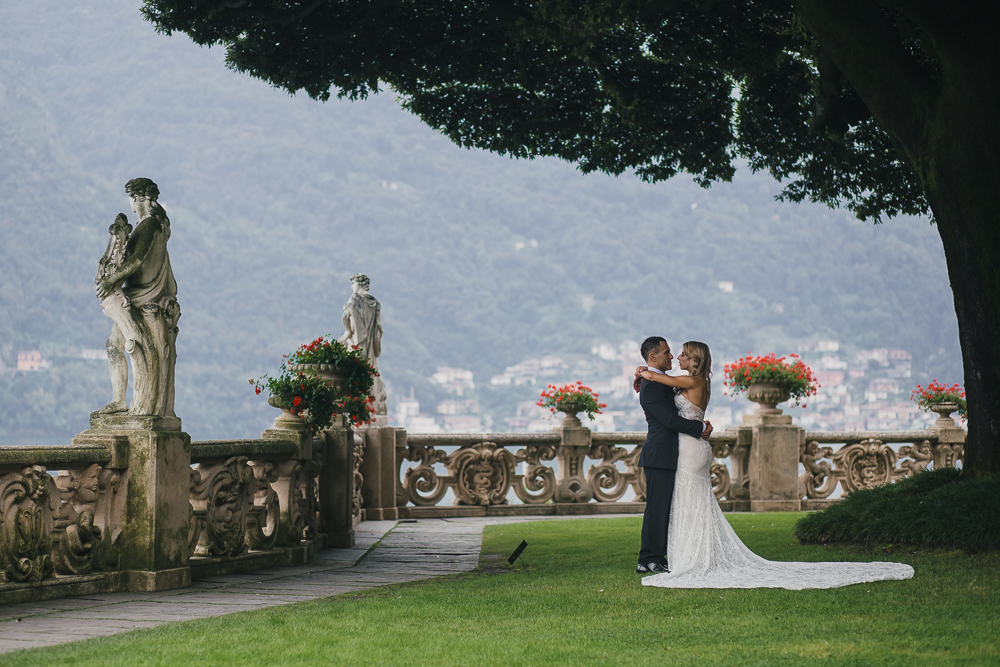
(934, 509)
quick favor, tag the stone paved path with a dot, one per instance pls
(409, 550)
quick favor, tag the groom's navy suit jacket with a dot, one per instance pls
(663, 422)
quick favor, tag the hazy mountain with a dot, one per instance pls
(479, 261)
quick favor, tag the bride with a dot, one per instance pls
(702, 548)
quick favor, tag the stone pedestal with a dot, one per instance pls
(371, 469)
(571, 482)
(774, 461)
(389, 472)
(157, 472)
(951, 439)
(336, 487)
(378, 491)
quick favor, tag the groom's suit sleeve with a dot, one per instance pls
(669, 418)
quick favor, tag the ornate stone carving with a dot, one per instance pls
(137, 291)
(607, 481)
(818, 481)
(362, 320)
(865, 464)
(27, 502)
(537, 484)
(638, 476)
(357, 501)
(86, 527)
(423, 485)
(222, 497)
(265, 515)
(483, 474)
(946, 455)
(918, 456)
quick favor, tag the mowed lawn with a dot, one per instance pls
(578, 602)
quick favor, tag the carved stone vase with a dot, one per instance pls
(570, 420)
(944, 411)
(767, 395)
(288, 419)
(333, 376)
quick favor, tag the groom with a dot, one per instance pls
(659, 455)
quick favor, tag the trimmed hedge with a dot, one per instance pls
(931, 509)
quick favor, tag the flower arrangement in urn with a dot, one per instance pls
(322, 379)
(571, 399)
(770, 379)
(941, 399)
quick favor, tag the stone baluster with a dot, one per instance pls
(572, 485)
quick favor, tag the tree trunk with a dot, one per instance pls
(960, 171)
(945, 125)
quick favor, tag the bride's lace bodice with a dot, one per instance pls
(687, 409)
(705, 552)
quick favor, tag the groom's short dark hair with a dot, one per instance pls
(650, 344)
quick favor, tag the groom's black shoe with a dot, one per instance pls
(651, 568)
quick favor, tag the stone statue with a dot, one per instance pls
(137, 291)
(363, 327)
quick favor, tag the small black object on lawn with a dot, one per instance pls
(517, 552)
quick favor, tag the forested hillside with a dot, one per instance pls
(479, 261)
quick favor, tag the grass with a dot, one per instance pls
(578, 602)
(932, 509)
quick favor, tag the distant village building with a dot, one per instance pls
(726, 285)
(94, 354)
(462, 424)
(454, 380)
(879, 356)
(529, 370)
(468, 407)
(29, 360)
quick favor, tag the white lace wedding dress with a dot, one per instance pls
(703, 550)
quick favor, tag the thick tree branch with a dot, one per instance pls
(868, 51)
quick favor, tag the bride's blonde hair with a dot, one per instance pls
(701, 361)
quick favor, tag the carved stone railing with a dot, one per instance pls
(61, 518)
(82, 518)
(253, 498)
(140, 509)
(568, 471)
(868, 459)
(572, 470)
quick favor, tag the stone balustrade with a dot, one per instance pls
(136, 508)
(764, 464)
(569, 471)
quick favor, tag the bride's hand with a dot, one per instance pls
(637, 379)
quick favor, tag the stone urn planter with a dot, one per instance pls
(767, 395)
(944, 411)
(334, 377)
(570, 420)
(287, 419)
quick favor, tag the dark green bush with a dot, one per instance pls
(932, 509)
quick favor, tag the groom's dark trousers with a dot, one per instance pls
(659, 463)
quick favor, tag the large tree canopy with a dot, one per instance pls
(885, 107)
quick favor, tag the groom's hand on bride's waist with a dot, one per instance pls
(708, 430)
